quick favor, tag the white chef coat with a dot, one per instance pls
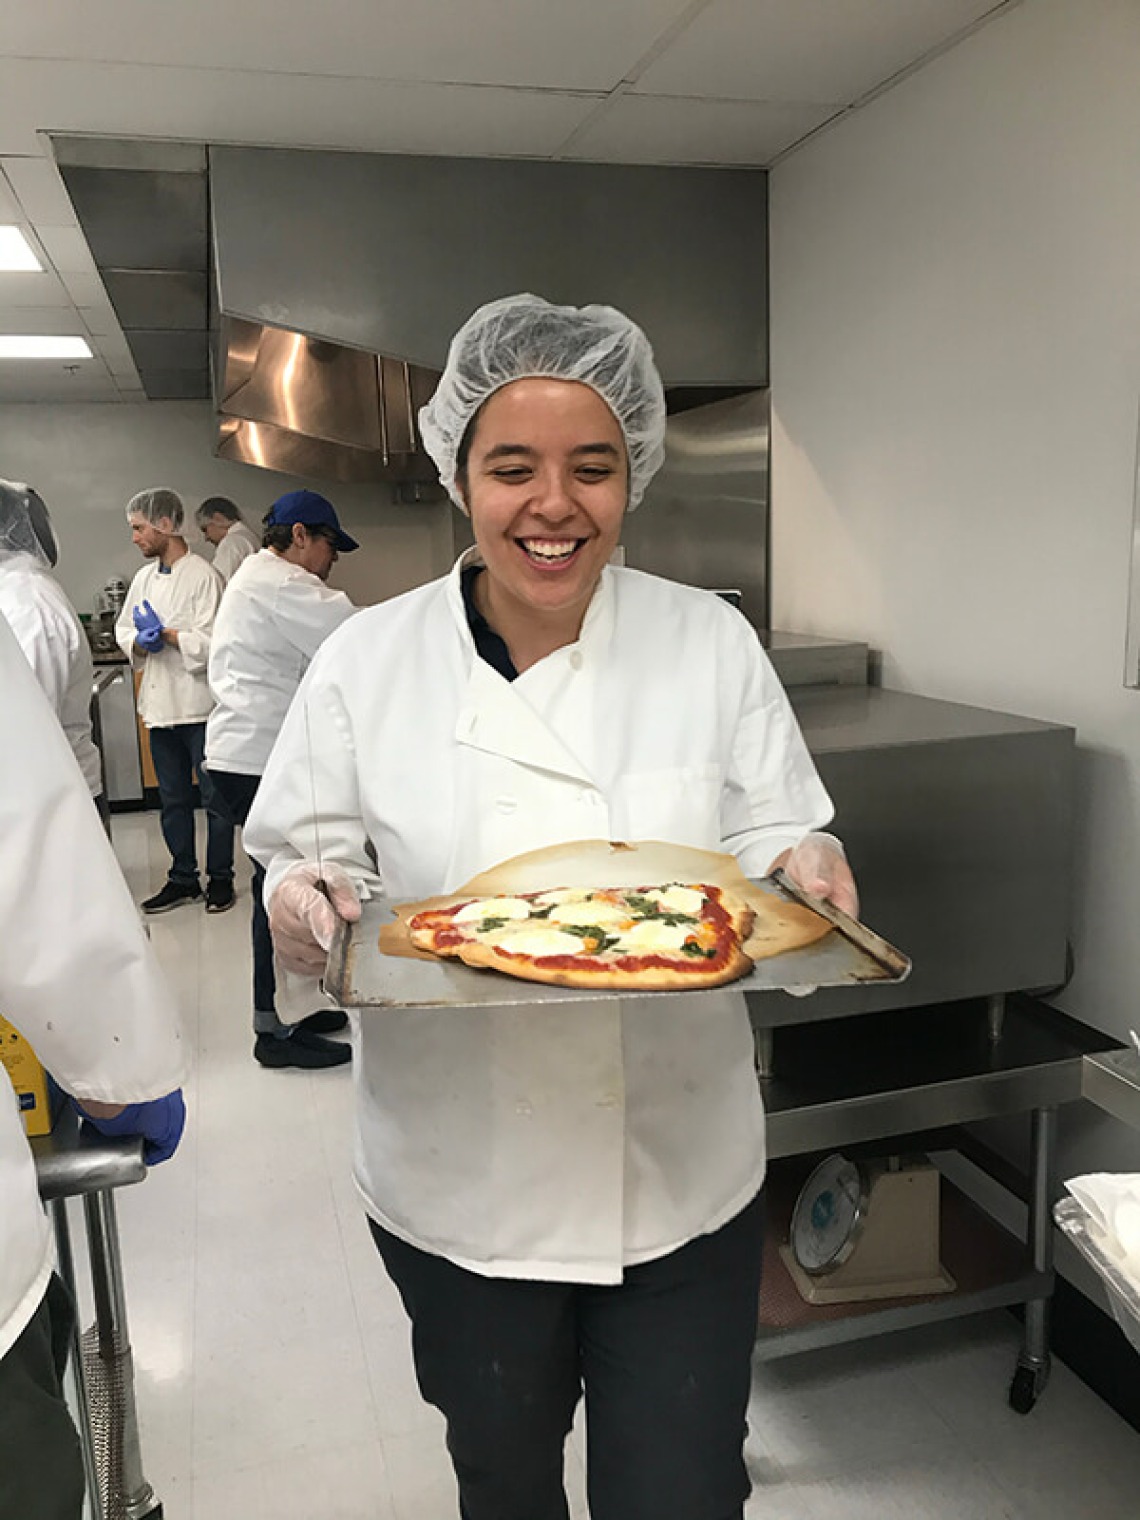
(239, 543)
(77, 974)
(532, 1141)
(55, 646)
(274, 617)
(174, 688)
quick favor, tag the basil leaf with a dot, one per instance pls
(690, 947)
(542, 912)
(490, 924)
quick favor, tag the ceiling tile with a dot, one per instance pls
(588, 44)
(67, 248)
(84, 289)
(117, 352)
(39, 190)
(100, 320)
(204, 106)
(43, 380)
(10, 211)
(829, 51)
(640, 129)
(53, 320)
(45, 289)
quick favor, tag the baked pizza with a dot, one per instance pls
(661, 938)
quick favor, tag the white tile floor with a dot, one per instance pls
(273, 1373)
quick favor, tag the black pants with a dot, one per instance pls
(664, 1359)
(237, 793)
(41, 1467)
(177, 753)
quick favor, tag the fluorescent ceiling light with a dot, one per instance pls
(16, 252)
(17, 346)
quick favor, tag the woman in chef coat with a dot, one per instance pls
(567, 1202)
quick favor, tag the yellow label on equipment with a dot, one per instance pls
(28, 1078)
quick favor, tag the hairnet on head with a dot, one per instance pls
(25, 525)
(155, 504)
(524, 337)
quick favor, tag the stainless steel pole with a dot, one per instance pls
(65, 1261)
(114, 1345)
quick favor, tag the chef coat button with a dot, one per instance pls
(575, 659)
(507, 804)
(608, 1100)
(523, 1109)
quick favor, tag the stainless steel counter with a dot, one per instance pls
(1112, 1082)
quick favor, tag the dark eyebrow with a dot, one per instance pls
(502, 450)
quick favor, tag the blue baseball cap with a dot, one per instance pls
(311, 511)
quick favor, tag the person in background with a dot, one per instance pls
(233, 539)
(566, 1205)
(80, 981)
(165, 628)
(45, 622)
(276, 613)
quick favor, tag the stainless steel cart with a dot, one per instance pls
(91, 1167)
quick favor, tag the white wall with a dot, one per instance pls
(86, 461)
(956, 369)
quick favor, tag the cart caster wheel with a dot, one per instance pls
(1025, 1389)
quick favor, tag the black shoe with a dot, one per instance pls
(173, 895)
(308, 1052)
(219, 895)
(325, 1021)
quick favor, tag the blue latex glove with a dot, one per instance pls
(150, 640)
(160, 1123)
(148, 626)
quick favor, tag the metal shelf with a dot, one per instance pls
(1111, 1080)
(992, 1268)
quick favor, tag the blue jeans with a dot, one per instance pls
(177, 752)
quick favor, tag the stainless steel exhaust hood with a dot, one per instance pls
(306, 406)
(340, 278)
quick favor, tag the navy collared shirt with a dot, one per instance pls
(489, 645)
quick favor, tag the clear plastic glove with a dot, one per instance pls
(303, 917)
(160, 1123)
(819, 866)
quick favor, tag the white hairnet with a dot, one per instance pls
(155, 504)
(25, 525)
(523, 337)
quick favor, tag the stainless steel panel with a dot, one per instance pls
(1112, 1082)
(303, 384)
(704, 520)
(157, 298)
(409, 246)
(141, 219)
(958, 823)
(803, 660)
(118, 726)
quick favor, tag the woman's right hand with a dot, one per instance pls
(303, 918)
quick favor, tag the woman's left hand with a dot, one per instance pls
(819, 866)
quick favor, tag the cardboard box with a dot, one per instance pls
(29, 1079)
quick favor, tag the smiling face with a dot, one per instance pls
(546, 482)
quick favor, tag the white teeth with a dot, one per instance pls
(551, 549)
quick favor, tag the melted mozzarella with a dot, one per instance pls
(650, 935)
(535, 938)
(493, 907)
(598, 912)
(562, 895)
(678, 899)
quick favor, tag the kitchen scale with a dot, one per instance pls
(867, 1230)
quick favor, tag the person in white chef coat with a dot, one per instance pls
(165, 628)
(44, 621)
(566, 1204)
(276, 613)
(222, 525)
(79, 980)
